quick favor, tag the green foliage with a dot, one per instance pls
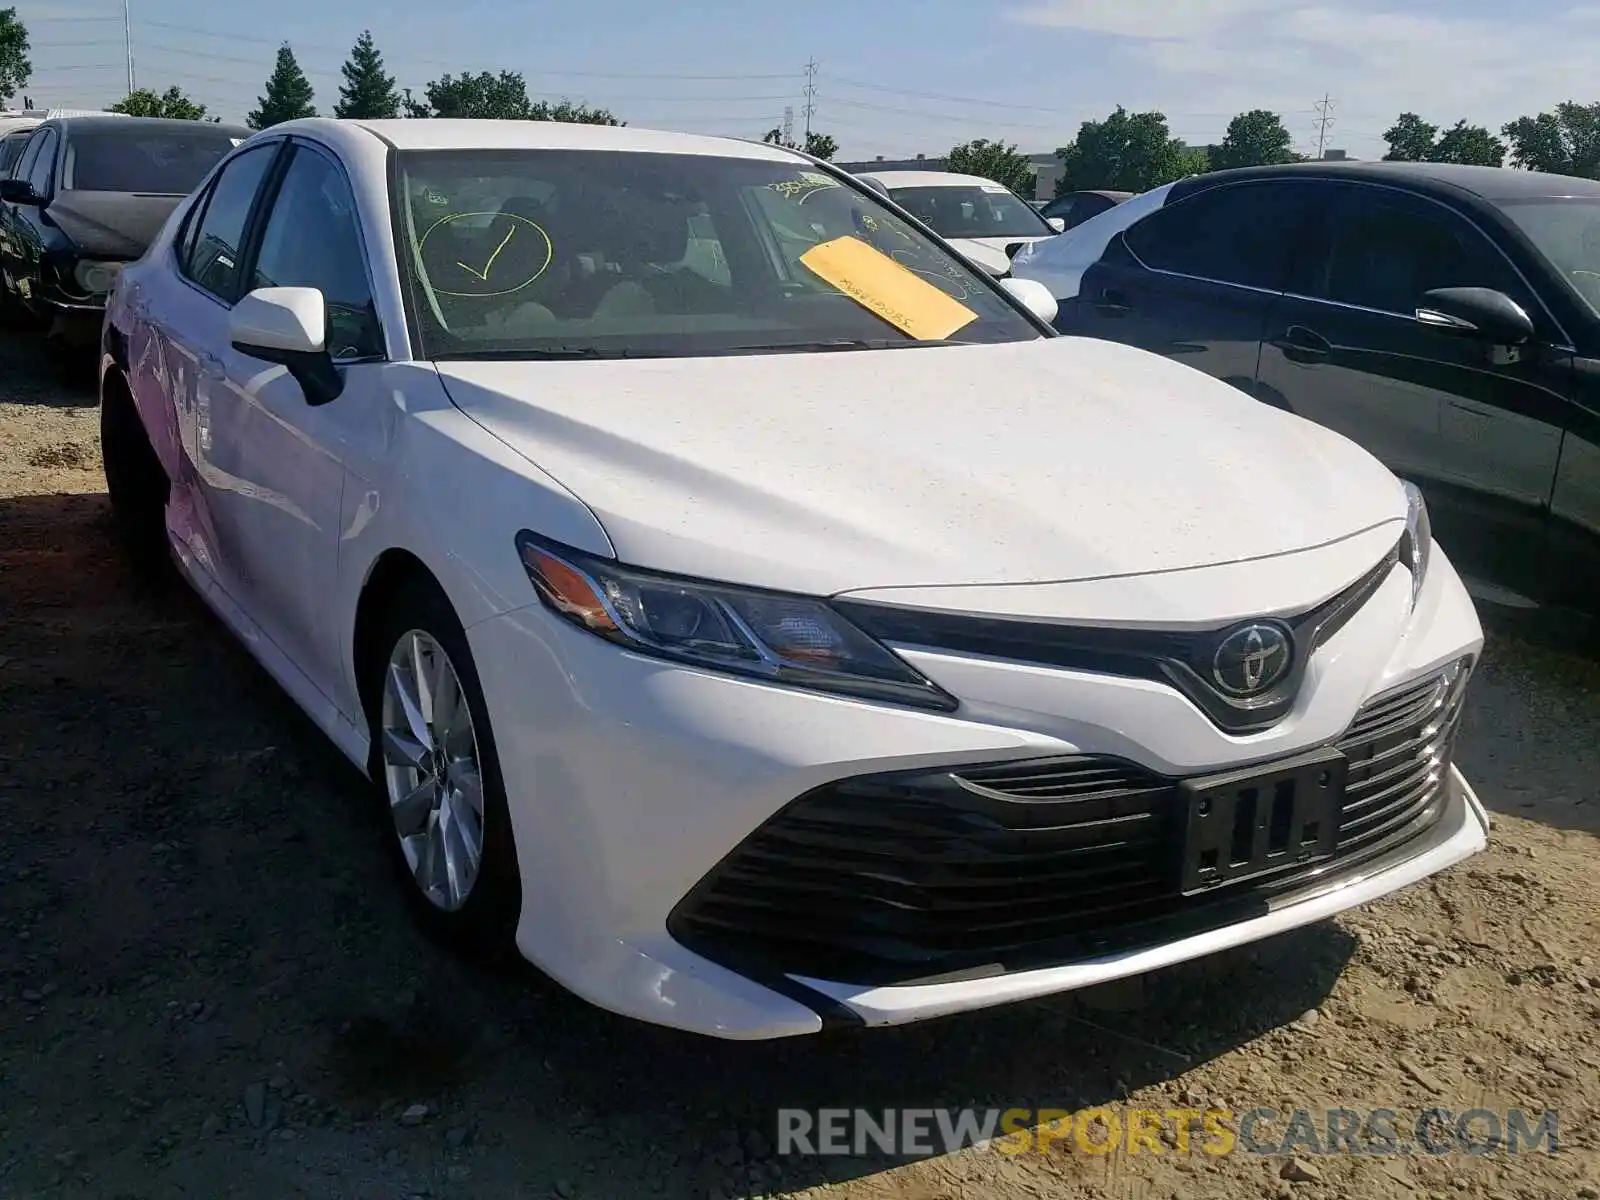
(15, 67)
(1256, 138)
(288, 95)
(1565, 142)
(368, 92)
(1411, 139)
(1470, 144)
(993, 160)
(1131, 152)
(172, 103)
(502, 96)
(818, 145)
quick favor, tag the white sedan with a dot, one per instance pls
(749, 611)
(983, 220)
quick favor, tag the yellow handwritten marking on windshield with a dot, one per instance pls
(875, 281)
(484, 274)
(477, 284)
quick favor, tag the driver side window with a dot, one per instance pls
(312, 239)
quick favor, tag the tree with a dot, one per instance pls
(566, 110)
(1254, 139)
(172, 103)
(1410, 138)
(1565, 142)
(15, 67)
(818, 145)
(368, 91)
(288, 95)
(1470, 144)
(484, 95)
(1130, 152)
(993, 160)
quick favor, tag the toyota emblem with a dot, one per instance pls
(1252, 659)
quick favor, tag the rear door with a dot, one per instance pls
(1195, 279)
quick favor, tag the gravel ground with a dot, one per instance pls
(210, 987)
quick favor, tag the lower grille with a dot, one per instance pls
(910, 876)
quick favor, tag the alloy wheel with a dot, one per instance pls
(432, 774)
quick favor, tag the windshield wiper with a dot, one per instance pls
(551, 353)
(835, 344)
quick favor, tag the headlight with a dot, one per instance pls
(763, 635)
(1416, 547)
(96, 278)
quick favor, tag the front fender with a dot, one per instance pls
(440, 487)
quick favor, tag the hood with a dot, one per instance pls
(113, 225)
(1052, 460)
(990, 253)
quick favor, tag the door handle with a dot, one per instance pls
(1112, 303)
(1303, 345)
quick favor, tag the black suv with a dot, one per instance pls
(1447, 318)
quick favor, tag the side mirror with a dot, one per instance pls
(1477, 312)
(1059, 224)
(18, 191)
(288, 325)
(1033, 296)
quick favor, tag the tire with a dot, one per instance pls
(480, 923)
(135, 481)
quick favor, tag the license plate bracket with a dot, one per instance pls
(1252, 822)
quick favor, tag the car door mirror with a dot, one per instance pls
(18, 191)
(288, 325)
(1477, 312)
(1033, 296)
(1059, 224)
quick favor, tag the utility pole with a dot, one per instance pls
(127, 40)
(811, 94)
(1324, 109)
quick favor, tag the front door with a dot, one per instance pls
(1477, 426)
(284, 458)
(1194, 280)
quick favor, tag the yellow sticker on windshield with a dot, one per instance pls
(875, 281)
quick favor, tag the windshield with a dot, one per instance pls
(979, 211)
(581, 252)
(165, 162)
(1567, 232)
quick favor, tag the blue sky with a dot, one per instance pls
(895, 78)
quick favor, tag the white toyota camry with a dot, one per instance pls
(750, 611)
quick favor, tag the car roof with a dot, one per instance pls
(1486, 183)
(123, 124)
(900, 179)
(440, 133)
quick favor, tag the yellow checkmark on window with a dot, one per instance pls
(484, 274)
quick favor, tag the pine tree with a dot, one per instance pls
(368, 92)
(288, 95)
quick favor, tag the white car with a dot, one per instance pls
(983, 220)
(1060, 262)
(753, 661)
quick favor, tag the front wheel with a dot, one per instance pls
(434, 762)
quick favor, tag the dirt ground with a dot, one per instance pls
(210, 988)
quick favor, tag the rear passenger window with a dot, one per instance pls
(211, 254)
(1242, 233)
(42, 173)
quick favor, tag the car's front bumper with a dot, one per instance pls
(630, 781)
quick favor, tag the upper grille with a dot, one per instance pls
(1182, 660)
(896, 877)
